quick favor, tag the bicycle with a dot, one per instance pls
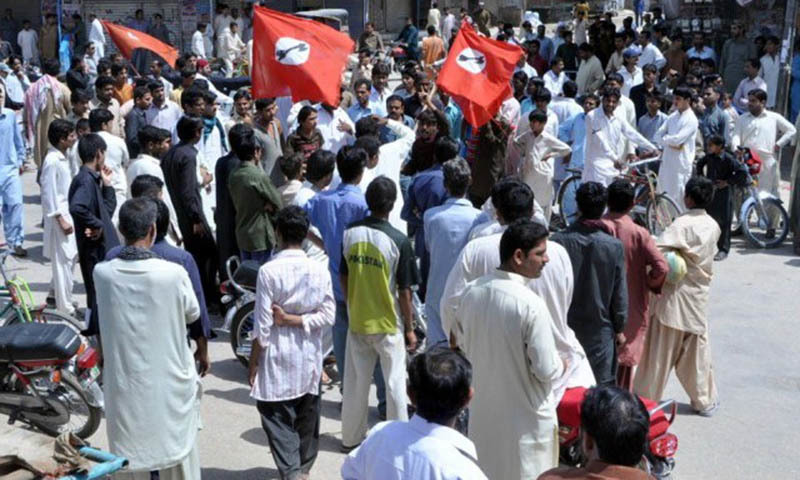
(652, 210)
(763, 219)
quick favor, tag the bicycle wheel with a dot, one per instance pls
(661, 213)
(241, 329)
(761, 233)
(567, 205)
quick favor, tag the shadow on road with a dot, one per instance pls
(250, 474)
(256, 436)
(237, 395)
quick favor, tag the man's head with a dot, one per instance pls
(542, 99)
(201, 27)
(557, 65)
(154, 141)
(610, 100)
(649, 74)
(654, 101)
(266, 108)
(193, 101)
(369, 28)
(60, 134)
(446, 149)
(79, 101)
(380, 76)
(119, 73)
(512, 200)
(772, 45)
(630, 57)
(292, 166)
(535, 84)
(644, 37)
(711, 95)
(439, 384)
(541, 30)
(699, 192)
(585, 51)
(537, 120)
(137, 221)
(319, 168)
(307, 118)
(569, 89)
(104, 88)
(698, 41)
(615, 424)
(716, 145)
(381, 195)
(533, 47)
(190, 129)
(211, 103)
(395, 107)
(620, 196)
(427, 126)
(523, 248)
(619, 41)
(682, 98)
(591, 198)
(363, 87)
(147, 186)
(614, 80)
(372, 145)
(519, 81)
(751, 67)
(100, 120)
(350, 162)
(142, 98)
(92, 150)
(243, 142)
(291, 226)
(242, 103)
(188, 75)
(457, 177)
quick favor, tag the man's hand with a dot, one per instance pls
(678, 148)
(106, 174)
(65, 225)
(93, 233)
(199, 229)
(411, 340)
(207, 177)
(777, 148)
(281, 318)
(344, 127)
(620, 339)
(201, 357)
(380, 120)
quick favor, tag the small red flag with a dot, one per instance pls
(477, 74)
(126, 39)
(298, 56)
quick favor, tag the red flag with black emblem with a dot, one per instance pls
(127, 39)
(477, 74)
(292, 55)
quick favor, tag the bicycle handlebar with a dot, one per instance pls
(643, 162)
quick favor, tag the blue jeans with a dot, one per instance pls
(260, 256)
(339, 345)
(11, 200)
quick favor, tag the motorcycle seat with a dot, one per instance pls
(37, 342)
(247, 274)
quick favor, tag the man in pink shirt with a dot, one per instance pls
(640, 253)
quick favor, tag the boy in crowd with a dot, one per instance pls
(292, 167)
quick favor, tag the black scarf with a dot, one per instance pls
(130, 252)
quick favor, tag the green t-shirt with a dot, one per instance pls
(251, 190)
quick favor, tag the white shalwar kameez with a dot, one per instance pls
(212, 150)
(506, 332)
(536, 168)
(151, 386)
(677, 136)
(59, 247)
(147, 165)
(555, 286)
(117, 159)
(606, 144)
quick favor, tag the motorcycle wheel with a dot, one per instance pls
(241, 326)
(754, 228)
(660, 468)
(69, 394)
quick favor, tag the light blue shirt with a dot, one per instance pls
(12, 150)
(15, 89)
(455, 118)
(573, 132)
(357, 112)
(447, 230)
(706, 52)
(526, 107)
(331, 212)
(546, 48)
(648, 126)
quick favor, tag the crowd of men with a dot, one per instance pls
(351, 211)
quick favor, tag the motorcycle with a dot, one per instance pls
(659, 460)
(46, 371)
(239, 296)
(762, 216)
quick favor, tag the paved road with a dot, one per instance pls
(754, 318)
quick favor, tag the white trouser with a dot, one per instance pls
(361, 353)
(542, 186)
(769, 180)
(63, 280)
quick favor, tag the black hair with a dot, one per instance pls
(263, 103)
(360, 82)
(556, 60)
(51, 67)
(292, 224)
(162, 221)
(242, 93)
(440, 380)
(709, 62)
(586, 47)
(117, 68)
(319, 165)
(146, 186)
(188, 71)
(291, 165)
(537, 116)
(140, 92)
(351, 163)
(616, 77)
(716, 140)
(700, 190)
(445, 149)
(513, 199)
(381, 195)
(592, 96)
(683, 92)
(98, 117)
(611, 92)
(543, 95)
(620, 196)
(190, 96)
(89, 145)
(136, 216)
(759, 93)
(754, 62)
(188, 126)
(150, 133)
(59, 129)
(369, 143)
(650, 68)
(569, 89)
(524, 234)
(591, 198)
(655, 95)
(427, 116)
(380, 69)
(304, 113)
(367, 127)
(618, 422)
(394, 98)
(82, 124)
(243, 142)
(155, 85)
(520, 75)
(102, 81)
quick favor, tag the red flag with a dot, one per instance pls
(298, 56)
(126, 39)
(477, 74)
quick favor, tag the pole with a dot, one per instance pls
(787, 53)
